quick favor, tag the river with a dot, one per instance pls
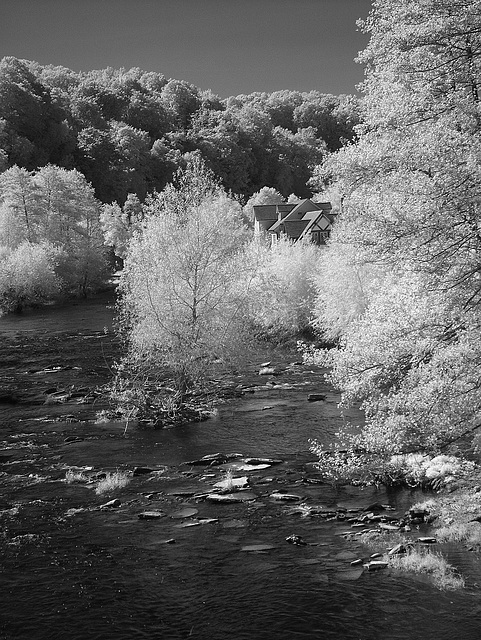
(72, 568)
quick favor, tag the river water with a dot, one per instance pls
(71, 569)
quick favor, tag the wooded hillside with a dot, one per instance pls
(127, 131)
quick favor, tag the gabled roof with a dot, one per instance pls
(265, 211)
(319, 223)
(294, 228)
(295, 219)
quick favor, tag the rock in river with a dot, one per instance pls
(111, 504)
(232, 484)
(259, 461)
(285, 497)
(151, 515)
(315, 397)
(213, 459)
(187, 512)
(141, 471)
(376, 565)
(258, 547)
(297, 540)
(229, 498)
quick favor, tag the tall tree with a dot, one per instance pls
(411, 214)
(182, 292)
(19, 219)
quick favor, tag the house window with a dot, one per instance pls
(320, 237)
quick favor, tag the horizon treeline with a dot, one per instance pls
(128, 131)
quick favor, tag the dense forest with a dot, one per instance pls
(128, 131)
(80, 154)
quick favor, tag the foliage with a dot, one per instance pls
(406, 254)
(456, 514)
(120, 223)
(183, 291)
(282, 290)
(128, 131)
(359, 466)
(27, 276)
(57, 207)
(345, 284)
(266, 195)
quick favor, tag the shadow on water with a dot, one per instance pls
(71, 569)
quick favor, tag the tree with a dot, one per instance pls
(183, 288)
(27, 276)
(69, 217)
(282, 290)
(19, 213)
(57, 207)
(267, 195)
(409, 352)
(120, 223)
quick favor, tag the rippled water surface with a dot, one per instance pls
(70, 569)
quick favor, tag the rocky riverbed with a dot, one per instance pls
(216, 529)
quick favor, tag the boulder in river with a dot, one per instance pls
(258, 547)
(251, 467)
(296, 540)
(229, 498)
(151, 515)
(232, 484)
(141, 471)
(111, 504)
(214, 459)
(397, 550)
(427, 540)
(186, 512)
(285, 497)
(259, 461)
(316, 397)
(385, 526)
(376, 565)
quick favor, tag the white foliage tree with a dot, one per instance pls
(409, 349)
(283, 289)
(184, 285)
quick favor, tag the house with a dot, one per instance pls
(304, 219)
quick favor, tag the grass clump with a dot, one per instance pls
(419, 561)
(72, 476)
(228, 481)
(113, 480)
(468, 532)
(375, 540)
(432, 564)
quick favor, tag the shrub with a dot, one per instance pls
(351, 462)
(282, 290)
(27, 276)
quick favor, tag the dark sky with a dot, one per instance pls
(228, 46)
